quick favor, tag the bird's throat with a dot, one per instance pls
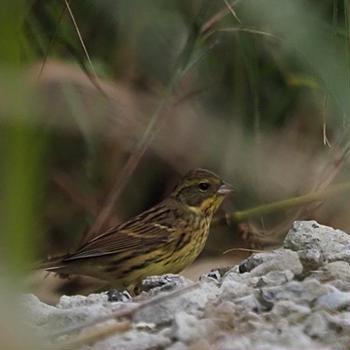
(207, 206)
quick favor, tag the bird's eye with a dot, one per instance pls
(203, 186)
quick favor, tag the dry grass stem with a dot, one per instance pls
(248, 30)
(217, 17)
(95, 335)
(234, 14)
(59, 19)
(75, 24)
(324, 124)
(242, 250)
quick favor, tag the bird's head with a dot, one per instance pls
(201, 191)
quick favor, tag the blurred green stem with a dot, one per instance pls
(268, 208)
(21, 146)
(22, 150)
(12, 14)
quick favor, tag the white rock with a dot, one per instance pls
(310, 239)
(336, 273)
(335, 300)
(280, 259)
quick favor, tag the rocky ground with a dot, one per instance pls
(295, 297)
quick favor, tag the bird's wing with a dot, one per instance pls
(154, 226)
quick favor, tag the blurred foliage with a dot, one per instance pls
(260, 94)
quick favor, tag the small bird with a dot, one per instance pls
(163, 239)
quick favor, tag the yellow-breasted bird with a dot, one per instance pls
(163, 239)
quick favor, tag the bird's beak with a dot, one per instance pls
(225, 189)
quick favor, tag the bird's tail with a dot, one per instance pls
(51, 264)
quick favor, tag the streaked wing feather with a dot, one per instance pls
(154, 226)
(107, 245)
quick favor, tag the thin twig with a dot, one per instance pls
(240, 29)
(217, 17)
(129, 311)
(243, 250)
(95, 335)
(324, 122)
(59, 19)
(91, 75)
(248, 30)
(234, 14)
(80, 38)
(324, 133)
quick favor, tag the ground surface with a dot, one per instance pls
(295, 297)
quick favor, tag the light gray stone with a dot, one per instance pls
(293, 312)
(132, 340)
(274, 278)
(316, 243)
(316, 325)
(188, 328)
(335, 300)
(336, 273)
(280, 259)
(231, 289)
